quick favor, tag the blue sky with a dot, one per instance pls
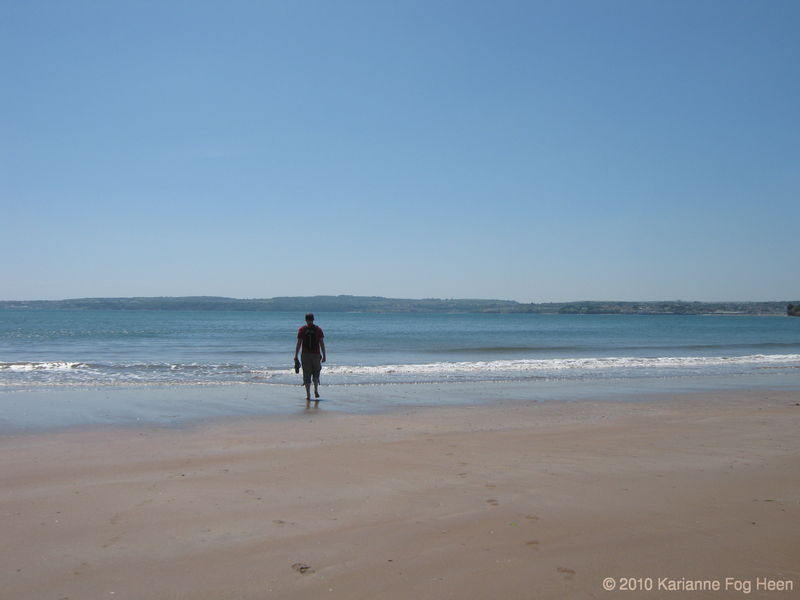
(535, 151)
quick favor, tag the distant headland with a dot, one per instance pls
(378, 304)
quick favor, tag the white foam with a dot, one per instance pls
(556, 364)
(41, 366)
(64, 372)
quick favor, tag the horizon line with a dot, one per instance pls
(431, 298)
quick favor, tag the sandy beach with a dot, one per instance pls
(525, 500)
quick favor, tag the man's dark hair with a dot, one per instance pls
(310, 317)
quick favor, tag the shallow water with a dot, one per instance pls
(176, 406)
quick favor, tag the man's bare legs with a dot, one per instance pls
(316, 395)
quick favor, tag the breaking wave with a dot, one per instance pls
(55, 373)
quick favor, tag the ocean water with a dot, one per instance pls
(68, 349)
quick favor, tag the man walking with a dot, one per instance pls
(309, 338)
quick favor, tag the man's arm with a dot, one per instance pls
(322, 347)
(297, 347)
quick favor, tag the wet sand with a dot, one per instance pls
(530, 500)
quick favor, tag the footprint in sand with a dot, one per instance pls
(112, 541)
(532, 517)
(493, 502)
(568, 573)
(534, 543)
(302, 568)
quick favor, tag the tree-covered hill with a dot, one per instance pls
(389, 305)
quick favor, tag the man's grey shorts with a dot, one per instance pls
(312, 365)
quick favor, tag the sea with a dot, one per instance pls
(54, 354)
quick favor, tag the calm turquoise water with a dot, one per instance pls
(57, 349)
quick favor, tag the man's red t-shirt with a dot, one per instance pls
(301, 334)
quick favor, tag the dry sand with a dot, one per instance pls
(539, 500)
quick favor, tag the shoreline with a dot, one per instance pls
(508, 500)
(172, 406)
